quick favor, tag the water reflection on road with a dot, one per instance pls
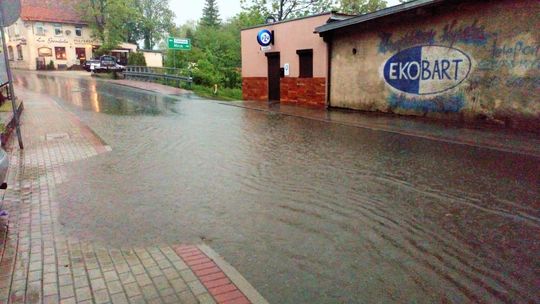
(309, 212)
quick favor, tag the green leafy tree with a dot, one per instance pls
(154, 23)
(287, 9)
(210, 16)
(357, 7)
(136, 59)
(109, 20)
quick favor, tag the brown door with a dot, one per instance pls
(274, 73)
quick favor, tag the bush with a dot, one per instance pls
(136, 59)
(50, 66)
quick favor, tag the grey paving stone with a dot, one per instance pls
(101, 296)
(197, 288)
(114, 287)
(97, 284)
(206, 298)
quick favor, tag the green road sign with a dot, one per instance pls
(182, 44)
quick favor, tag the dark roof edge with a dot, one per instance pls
(36, 19)
(377, 14)
(296, 19)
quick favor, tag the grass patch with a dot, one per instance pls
(6, 107)
(225, 94)
(110, 75)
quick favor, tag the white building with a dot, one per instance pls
(54, 31)
(49, 31)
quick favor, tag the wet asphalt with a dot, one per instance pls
(307, 211)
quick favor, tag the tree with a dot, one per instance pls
(155, 21)
(357, 7)
(109, 20)
(137, 59)
(286, 9)
(210, 16)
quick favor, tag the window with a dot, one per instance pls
(306, 63)
(17, 30)
(60, 53)
(58, 29)
(78, 31)
(10, 52)
(40, 29)
(81, 53)
(19, 52)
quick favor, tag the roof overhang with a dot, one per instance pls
(409, 6)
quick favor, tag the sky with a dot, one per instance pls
(186, 10)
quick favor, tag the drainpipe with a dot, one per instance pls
(328, 40)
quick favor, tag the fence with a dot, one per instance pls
(161, 75)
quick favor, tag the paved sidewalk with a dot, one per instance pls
(40, 263)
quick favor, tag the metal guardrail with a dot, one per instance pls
(155, 74)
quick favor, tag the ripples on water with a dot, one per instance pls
(310, 212)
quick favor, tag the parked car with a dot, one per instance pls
(91, 65)
(4, 164)
(107, 62)
(104, 64)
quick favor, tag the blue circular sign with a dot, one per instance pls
(264, 38)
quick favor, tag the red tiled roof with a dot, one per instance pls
(61, 11)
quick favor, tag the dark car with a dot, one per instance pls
(107, 62)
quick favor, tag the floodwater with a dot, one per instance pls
(307, 211)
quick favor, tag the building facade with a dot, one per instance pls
(464, 60)
(47, 32)
(292, 68)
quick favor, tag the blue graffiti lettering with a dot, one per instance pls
(409, 39)
(468, 34)
(520, 48)
(438, 104)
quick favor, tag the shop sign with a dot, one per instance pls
(85, 41)
(265, 38)
(45, 52)
(427, 70)
(51, 40)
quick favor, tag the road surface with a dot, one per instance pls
(307, 211)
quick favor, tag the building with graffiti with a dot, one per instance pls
(462, 59)
(451, 59)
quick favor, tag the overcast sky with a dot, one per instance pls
(192, 9)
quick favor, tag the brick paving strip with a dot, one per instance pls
(40, 263)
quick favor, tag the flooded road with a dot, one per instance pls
(307, 211)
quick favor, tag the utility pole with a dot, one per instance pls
(10, 79)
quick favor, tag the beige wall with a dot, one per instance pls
(289, 37)
(153, 59)
(497, 36)
(24, 33)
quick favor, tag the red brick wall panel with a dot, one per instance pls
(300, 91)
(304, 91)
(255, 88)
